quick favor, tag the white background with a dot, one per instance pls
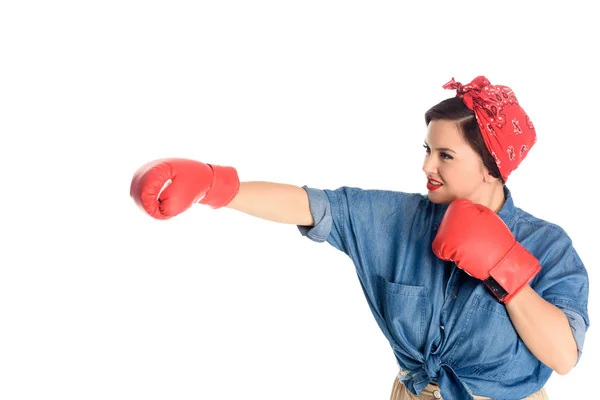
(99, 301)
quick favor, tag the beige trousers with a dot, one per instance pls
(432, 392)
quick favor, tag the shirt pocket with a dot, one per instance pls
(492, 337)
(404, 309)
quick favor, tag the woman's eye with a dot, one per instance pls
(444, 155)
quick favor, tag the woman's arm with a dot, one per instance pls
(544, 329)
(276, 202)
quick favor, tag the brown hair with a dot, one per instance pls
(454, 109)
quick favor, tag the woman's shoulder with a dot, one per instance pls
(540, 234)
(534, 220)
(379, 196)
(375, 205)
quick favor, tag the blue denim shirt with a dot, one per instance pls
(442, 324)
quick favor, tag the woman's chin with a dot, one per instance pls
(438, 198)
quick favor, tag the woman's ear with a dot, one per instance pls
(488, 177)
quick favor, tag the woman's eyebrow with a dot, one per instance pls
(442, 148)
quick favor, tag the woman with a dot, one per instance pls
(478, 298)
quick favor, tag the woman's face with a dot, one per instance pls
(453, 168)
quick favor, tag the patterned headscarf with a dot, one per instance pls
(507, 130)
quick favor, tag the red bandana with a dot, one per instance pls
(506, 128)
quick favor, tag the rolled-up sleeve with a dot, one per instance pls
(565, 284)
(578, 327)
(320, 208)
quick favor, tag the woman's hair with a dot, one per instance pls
(454, 109)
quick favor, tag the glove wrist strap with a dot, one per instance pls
(225, 187)
(512, 273)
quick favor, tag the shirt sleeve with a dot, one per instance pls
(320, 208)
(578, 327)
(563, 282)
(331, 217)
(355, 220)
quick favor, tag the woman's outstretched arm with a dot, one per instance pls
(278, 202)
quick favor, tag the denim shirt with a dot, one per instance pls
(442, 324)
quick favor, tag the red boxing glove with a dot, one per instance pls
(479, 242)
(167, 187)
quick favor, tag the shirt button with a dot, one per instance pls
(454, 297)
(442, 326)
(437, 394)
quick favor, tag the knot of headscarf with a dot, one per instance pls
(507, 130)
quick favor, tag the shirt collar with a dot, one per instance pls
(508, 208)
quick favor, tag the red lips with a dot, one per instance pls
(433, 187)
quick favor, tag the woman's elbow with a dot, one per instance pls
(562, 370)
(566, 363)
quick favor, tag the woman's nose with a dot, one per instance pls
(429, 166)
